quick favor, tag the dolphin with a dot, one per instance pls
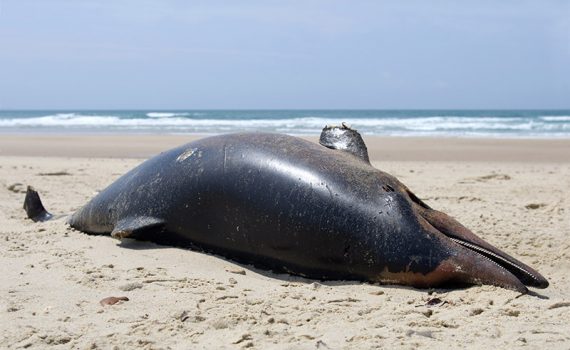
(279, 202)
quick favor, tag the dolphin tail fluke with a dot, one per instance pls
(34, 207)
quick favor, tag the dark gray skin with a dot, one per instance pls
(283, 203)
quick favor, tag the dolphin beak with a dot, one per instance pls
(472, 260)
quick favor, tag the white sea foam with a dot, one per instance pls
(198, 123)
(556, 118)
(61, 119)
(165, 114)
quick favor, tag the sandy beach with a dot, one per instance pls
(512, 193)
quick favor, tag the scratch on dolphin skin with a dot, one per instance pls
(330, 191)
(184, 155)
(225, 158)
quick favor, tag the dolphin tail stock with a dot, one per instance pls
(34, 207)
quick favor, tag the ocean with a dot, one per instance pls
(428, 123)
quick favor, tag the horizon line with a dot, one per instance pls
(277, 109)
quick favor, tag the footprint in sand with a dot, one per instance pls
(55, 173)
(535, 205)
(17, 188)
(485, 178)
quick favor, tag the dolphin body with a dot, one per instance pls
(282, 203)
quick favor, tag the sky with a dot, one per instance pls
(288, 54)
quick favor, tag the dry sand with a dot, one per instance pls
(513, 193)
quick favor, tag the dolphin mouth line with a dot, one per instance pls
(498, 260)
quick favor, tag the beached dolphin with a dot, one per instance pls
(283, 203)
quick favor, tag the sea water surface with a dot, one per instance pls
(430, 123)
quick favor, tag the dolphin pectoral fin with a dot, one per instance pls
(345, 139)
(131, 227)
(481, 253)
(34, 207)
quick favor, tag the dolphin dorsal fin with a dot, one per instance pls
(346, 139)
(130, 227)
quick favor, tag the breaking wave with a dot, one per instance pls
(165, 115)
(292, 122)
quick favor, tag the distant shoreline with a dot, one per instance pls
(111, 133)
(380, 148)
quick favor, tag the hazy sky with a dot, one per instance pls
(284, 54)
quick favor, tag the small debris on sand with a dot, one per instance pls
(235, 270)
(112, 300)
